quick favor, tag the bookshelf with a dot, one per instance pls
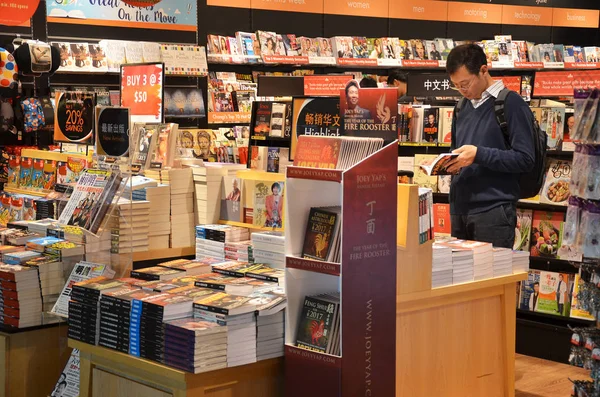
(365, 278)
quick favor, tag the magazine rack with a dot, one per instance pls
(365, 278)
(414, 258)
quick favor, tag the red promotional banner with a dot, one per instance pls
(17, 12)
(325, 85)
(369, 112)
(142, 91)
(513, 83)
(564, 82)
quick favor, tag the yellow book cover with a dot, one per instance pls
(420, 178)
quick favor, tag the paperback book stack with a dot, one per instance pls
(270, 322)
(84, 308)
(130, 224)
(503, 262)
(207, 189)
(98, 248)
(520, 261)
(156, 273)
(191, 268)
(236, 285)
(115, 308)
(147, 323)
(223, 242)
(462, 265)
(19, 257)
(195, 345)
(237, 313)
(483, 257)
(41, 226)
(268, 248)
(267, 273)
(160, 221)
(6, 249)
(21, 298)
(441, 266)
(183, 220)
(319, 325)
(52, 279)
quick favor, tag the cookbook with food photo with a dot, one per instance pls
(556, 187)
(546, 233)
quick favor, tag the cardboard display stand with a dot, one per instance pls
(365, 279)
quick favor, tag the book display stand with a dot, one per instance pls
(365, 278)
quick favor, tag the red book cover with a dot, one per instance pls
(441, 219)
(317, 152)
(546, 232)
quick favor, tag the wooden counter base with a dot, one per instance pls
(106, 372)
(458, 340)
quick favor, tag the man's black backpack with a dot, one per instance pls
(532, 181)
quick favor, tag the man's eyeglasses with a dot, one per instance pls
(463, 87)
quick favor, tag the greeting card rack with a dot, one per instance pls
(365, 278)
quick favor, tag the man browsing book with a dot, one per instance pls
(485, 187)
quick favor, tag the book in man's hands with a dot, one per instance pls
(439, 164)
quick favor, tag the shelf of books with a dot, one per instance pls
(340, 276)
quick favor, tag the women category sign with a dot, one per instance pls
(167, 14)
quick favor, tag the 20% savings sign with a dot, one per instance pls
(142, 91)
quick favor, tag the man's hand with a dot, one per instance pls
(466, 157)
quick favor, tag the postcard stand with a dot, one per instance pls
(365, 279)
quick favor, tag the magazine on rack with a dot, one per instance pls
(68, 381)
(91, 199)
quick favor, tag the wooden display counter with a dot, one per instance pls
(106, 372)
(32, 360)
(453, 341)
(458, 340)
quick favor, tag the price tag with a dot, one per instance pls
(74, 117)
(142, 91)
(112, 133)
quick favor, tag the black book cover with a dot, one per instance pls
(431, 125)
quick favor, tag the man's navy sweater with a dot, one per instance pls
(493, 178)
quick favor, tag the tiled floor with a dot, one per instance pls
(540, 378)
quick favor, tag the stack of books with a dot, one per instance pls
(84, 308)
(147, 323)
(130, 225)
(21, 296)
(97, 248)
(41, 226)
(260, 271)
(237, 313)
(52, 279)
(269, 248)
(156, 273)
(19, 257)
(207, 189)
(191, 268)
(7, 249)
(462, 265)
(270, 322)
(195, 345)
(182, 208)
(503, 262)
(236, 285)
(159, 175)
(483, 257)
(115, 308)
(160, 221)
(223, 242)
(520, 261)
(441, 266)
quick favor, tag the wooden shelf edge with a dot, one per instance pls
(460, 288)
(130, 361)
(163, 253)
(14, 190)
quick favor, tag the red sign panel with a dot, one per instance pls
(564, 82)
(325, 85)
(17, 12)
(142, 91)
(513, 83)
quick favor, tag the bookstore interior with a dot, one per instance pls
(176, 178)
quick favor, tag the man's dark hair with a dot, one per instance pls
(368, 82)
(536, 283)
(397, 74)
(471, 56)
(351, 83)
